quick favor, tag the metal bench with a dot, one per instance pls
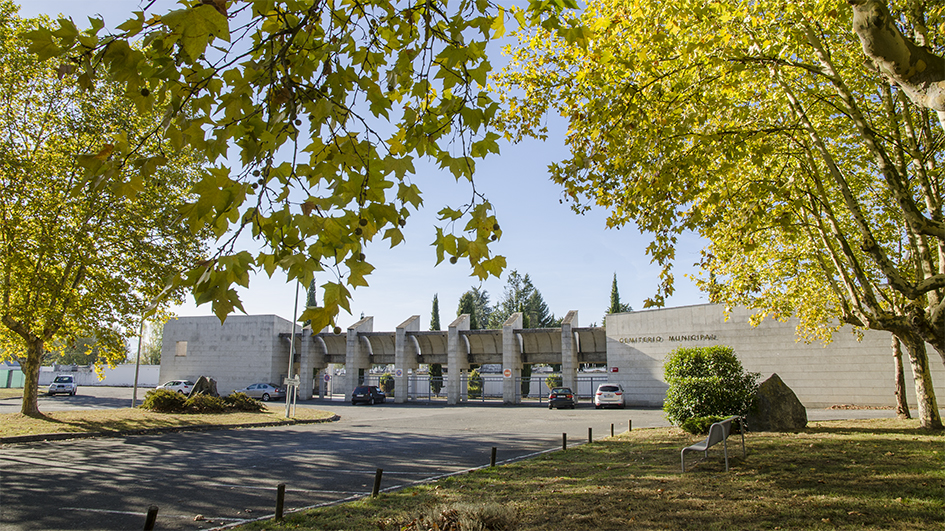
(718, 433)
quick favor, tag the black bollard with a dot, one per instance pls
(611, 429)
(151, 518)
(377, 482)
(492, 459)
(564, 441)
(280, 500)
(629, 424)
(590, 436)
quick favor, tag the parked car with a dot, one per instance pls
(263, 391)
(183, 387)
(562, 397)
(609, 395)
(369, 394)
(65, 384)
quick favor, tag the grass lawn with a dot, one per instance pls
(16, 392)
(133, 419)
(861, 474)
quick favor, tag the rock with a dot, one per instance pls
(206, 386)
(776, 408)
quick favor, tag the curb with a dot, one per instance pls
(20, 439)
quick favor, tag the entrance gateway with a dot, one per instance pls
(251, 349)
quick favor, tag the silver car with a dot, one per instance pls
(64, 384)
(263, 391)
(609, 394)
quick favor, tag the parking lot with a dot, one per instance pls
(206, 479)
(227, 476)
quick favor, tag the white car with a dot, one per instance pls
(181, 386)
(609, 394)
(63, 384)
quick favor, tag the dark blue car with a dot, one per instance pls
(368, 394)
(561, 397)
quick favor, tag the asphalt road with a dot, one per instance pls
(230, 476)
(203, 480)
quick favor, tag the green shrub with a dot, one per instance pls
(705, 382)
(201, 403)
(700, 425)
(242, 402)
(163, 401)
(387, 383)
(436, 378)
(554, 380)
(474, 385)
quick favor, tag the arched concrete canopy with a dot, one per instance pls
(485, 346)
(433, 345)
(592, 344)
(541, 345)
(383, 346)
(335, 346)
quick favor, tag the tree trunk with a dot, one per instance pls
(30, 366)
(902, 403)
(929, 416)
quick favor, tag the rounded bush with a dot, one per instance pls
(706, 382)
(700, 425)
(202, 403)
(387, 383)
(163, 401)
(242, 402)
(554, 380)
(474, 385)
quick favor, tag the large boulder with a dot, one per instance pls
(776, 408)
(205, 385)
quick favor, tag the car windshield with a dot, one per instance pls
(63, 379)
(362, 389)
(560, 390)
(608, 388)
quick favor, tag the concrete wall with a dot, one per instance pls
(846, 371)
(245, 349)
(120, 376)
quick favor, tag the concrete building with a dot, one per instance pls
(248, 349)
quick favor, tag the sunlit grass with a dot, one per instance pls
(16, 392)
(863, 474)
(135, 419)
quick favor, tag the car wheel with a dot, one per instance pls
(371, 401)
(74, 391)
(180, 392)
(265, 397)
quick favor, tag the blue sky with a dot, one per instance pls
(571, 259)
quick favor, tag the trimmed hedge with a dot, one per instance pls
(706, 382)
(165, 401)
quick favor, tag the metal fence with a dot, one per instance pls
(419, 387)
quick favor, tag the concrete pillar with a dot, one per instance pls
(306, 367)
(511, 359)
(405, 358)
(457, 355)
(569, 351)
(313, 354)
(357, 353)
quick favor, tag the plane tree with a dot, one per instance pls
(802, 140)
(81, 258)
(323, 110)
